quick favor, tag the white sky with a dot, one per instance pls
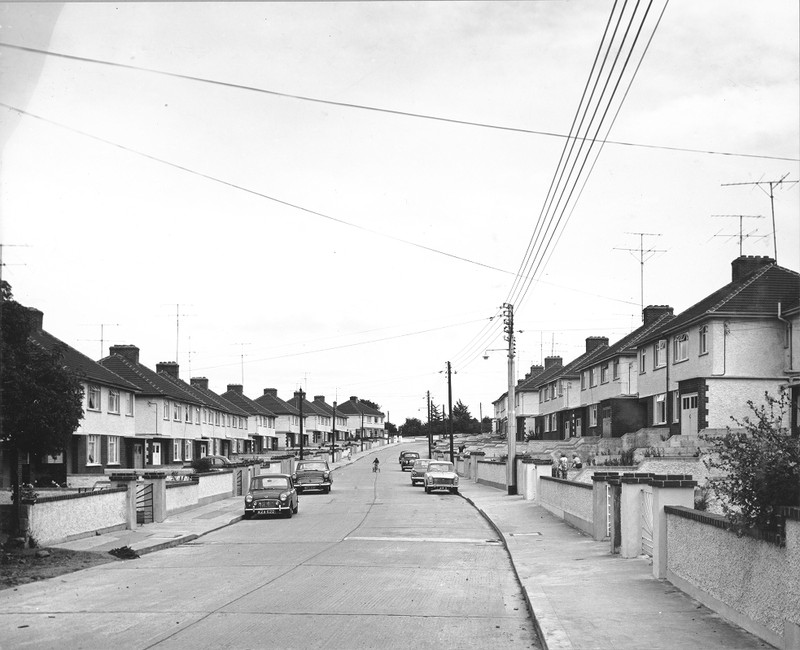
(94, 233)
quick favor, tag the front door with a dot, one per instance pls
(138, 455)
(566, 430)
(689, 414)
(156, 453)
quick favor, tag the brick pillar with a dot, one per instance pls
(127, 481)
(159, 482)
(668, 490)
(476, 456)
(631, 513)
(601, 497)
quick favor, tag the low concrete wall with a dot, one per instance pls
(752, 582)
(492, 473)
(214, 486)
(57, 518)
(573, 502)
(181, 495)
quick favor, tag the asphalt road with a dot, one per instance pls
(376, 563)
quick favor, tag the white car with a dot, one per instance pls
(441, 475)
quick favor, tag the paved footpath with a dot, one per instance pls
(579, 594)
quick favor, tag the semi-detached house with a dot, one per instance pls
(287, 418)
(362, 420)
(699, 369)
(261, 421)
(339, 430)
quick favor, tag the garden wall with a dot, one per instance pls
(214, 486)
(492, 473)
(571, 501)
(181, 495)
(58, 518)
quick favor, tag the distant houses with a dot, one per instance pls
(680, 373)
(138, 418)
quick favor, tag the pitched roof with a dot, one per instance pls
(755, 295)
(534, 383)
(326, 408)
(246, 404)
(276, 404)
(354, 406)
(86, 368)
(149, 382)
(627, 344)
(206, 396)
(308, 407)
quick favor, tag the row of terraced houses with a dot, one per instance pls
(140, 418)
(681, 373)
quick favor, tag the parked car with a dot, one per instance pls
(407, 459)
(271, 494)
(441, 475)
(418, 470)
(210, 463)
(312, 475)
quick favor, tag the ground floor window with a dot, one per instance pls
(593, 415)
(92, 450)
(113, 450)
(187, 450)
(660, 409)
(176, 449)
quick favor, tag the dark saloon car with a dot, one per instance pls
(271, 494)
(407, 459)
(312, 475)
(418, 470)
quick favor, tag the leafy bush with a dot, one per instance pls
(759, 464)
(626, 457)
(201, 465)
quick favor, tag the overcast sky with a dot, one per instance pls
(353, 251)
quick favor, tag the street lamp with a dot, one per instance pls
(300, 396)
(333, 434)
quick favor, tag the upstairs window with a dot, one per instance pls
(93, 398)
(166, 409)
(680, 348)
(593, 377)
(616, 368)
(703, 344)
(660, 358)
(129, 404)
(187, 413)
(113, 400)
(583, 380)
(176, 411)
(604, 373)
(642, 360)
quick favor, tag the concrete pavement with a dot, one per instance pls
(579, 595)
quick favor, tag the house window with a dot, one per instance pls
(546, 423)
(92, 450)
(660, 409)
(197, 415)
(704, 339)
(660, 358)
(583, 380)
(176, 449)
(129, 404)
(553, 422)
(187, 450)
(166, 409)
(616, 368)
(593, 415)
(560, 388)
(676, 406)
(642, 360)
(176, 411)
(216, 418)
(93, 398)
(113, 450)
(541, 396)
(113, 400)
(552, 391)
(593, 377)
(604, 373)
(187, 413)
(680, 348)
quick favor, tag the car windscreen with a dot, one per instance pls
(313, 465)
(411, 456)
(440, 467)
(269, 482)
(421, 464)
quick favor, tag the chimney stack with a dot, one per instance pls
(169, 367)
(319, 398)
(129, 352)
(594, 342)
(746, 264)
(236, 388)
(200, 382)
(36, 318)
(271, 391)
(353, 398)
(652, 313)
(550, 362)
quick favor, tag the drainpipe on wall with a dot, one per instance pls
(788, 336)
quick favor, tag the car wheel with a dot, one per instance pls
(453, 490)
(327, 490)
(296, 508)
(248, 515)
(288, 514)
(299, 490)
(427, 490)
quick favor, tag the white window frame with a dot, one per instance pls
(187, 413)
(176, 449)
(166, 409)
(660, 353)
(583, 380)
(176, 412)
(547, 424)
(129, 404)
(113, 401)
(94, 398)
(592, 377)
(604, 373)
(112, 447)
(642, 361)
(593, 415)
(676, 406)
(702, 343)
(680, 348)
(660, 408)
(187, 450)
(93, 443)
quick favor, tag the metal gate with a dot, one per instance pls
(647, 523)
(144, 504)
(239, 473)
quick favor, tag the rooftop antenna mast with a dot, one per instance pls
(741, 218)
(242, 357)
(644, 256)
(771, 194)
(102, 334)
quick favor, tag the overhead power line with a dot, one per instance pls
(388, 111)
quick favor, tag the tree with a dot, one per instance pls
(759, 464)
(391, 429)
(369, 403)
(41, 398)
(412, 427)
(463, 422)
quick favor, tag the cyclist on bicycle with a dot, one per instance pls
(376, 465)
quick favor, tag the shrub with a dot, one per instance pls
(201, 465)
(759, 463)
(626, 457)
